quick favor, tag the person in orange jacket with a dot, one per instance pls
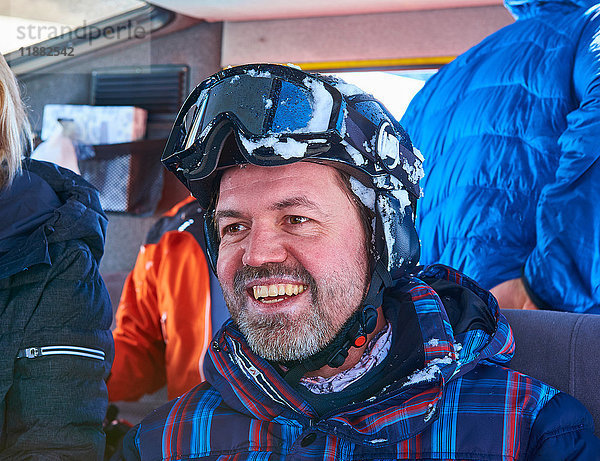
(163, 322)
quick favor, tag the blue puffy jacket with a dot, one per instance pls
(511, 135)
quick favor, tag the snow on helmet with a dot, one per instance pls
(269, 115)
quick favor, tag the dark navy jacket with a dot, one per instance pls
(459, 402)
(55, 315)
(510, 132)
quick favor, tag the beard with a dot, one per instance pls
(283, 337)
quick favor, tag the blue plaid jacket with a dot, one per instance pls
(462, 404)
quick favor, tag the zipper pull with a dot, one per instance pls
(30, 353)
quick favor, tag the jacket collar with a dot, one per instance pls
(249, 384)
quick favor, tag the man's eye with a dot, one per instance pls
(232, 229)
(298, 219)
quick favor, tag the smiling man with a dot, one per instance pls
(338, 346)
(282, 232)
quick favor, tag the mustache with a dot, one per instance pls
(247, 274)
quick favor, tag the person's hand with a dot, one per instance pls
(512, 295)
(115, 429)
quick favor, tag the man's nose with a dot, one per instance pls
(263, 246)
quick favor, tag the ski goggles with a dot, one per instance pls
(277, 114)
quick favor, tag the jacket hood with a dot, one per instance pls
(249, 384)
(47, 204)
(521, 9)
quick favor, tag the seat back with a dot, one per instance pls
(561, 349)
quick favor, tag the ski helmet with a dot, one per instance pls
(269, 115)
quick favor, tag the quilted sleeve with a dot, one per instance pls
(57, 400)
(563, 271)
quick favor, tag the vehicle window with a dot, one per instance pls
(394, 88)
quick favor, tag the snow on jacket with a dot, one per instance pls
(459, 404)
(55, 317)
(510, 131)
(164, 315)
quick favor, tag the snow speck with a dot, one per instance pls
(395, 187)
(364, 193)
(389, 212)
(414, 172)
(388, 145)
(343, 128)
(378, 441)
(389, 220)
(430, 412)
(322, 107)
(291, 148)
(286, 148)
(255, 73)
(348, 89)
(234, 79)
(402, 197)
(434, 342)
(357, 157)
(373, 227)
(149, 265)
(418, 154)
(268, 103)
(428, 373)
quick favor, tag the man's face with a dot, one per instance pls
(292, 259)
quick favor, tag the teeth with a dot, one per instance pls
(280, 289)
(271, 301)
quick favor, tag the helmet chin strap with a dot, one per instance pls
(353, 333)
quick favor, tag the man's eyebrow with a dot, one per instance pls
(227, 214)
(300, 200)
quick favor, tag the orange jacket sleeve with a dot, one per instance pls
(163, 320)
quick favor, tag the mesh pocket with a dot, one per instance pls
(128, 176)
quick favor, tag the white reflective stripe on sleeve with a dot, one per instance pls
(34, 352)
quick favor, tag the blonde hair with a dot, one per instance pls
(15, 131)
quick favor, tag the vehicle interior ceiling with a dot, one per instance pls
(174, 44)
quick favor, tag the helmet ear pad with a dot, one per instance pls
(406, 245)
(397, 240)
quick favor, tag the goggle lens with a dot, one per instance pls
(262, 105)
